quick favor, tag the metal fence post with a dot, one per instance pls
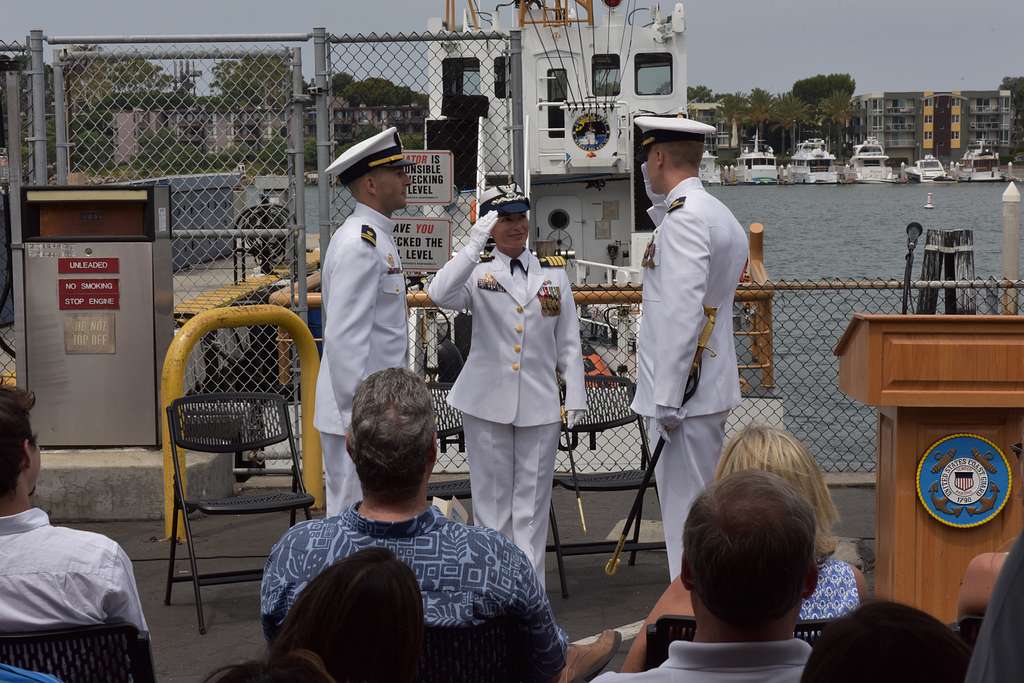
(35, 46)
(323, 140)
(1011, 245)
(299, 99)
(60, 117)
(516, 61)
(15, 179)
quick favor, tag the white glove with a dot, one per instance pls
(572, 417)
(668, 419)
(480, 231)
(651, 194)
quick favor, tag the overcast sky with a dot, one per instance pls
(733, 44)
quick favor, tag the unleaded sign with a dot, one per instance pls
(424, 244)
(431, 176)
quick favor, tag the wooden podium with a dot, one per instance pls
(932, 377)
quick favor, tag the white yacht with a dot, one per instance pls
(813, 164)
(710, 174)
(756, 166)
(980, 164)
(868, 162)
(926, 170)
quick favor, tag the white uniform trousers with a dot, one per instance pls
(686, 466)
(340, 478)
(510, 471)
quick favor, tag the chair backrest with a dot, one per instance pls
(228, 423)
(492, 652)
(105, 653)
(673, 627)
(449, 419)
(608, 401)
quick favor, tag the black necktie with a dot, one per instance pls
(512, 266)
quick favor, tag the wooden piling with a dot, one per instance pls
(931, 269)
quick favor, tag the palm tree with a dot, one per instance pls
(761, 109)
(837, 108)
(789, 111)
(732, 108)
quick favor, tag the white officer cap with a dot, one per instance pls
(655, 129)
(383, 150)
(504, 199)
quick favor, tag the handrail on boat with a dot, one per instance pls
(172, 386)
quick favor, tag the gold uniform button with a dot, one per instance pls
(519, 309)
(515, 366)
(517, 348)
(519, 328)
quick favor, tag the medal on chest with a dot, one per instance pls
(488, 283)
(392, 268)
(550, 299)
(648, 259)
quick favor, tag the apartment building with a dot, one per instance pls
(943, 124)
(707, 112)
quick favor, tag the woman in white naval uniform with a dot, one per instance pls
(525, 327)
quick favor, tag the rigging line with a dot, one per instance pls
(587, 78)
(622, 40)
(630, 48)
(572, 60)
(608, 46)
(547, 55)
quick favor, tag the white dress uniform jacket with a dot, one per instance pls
(364, 303)
(509, 377)
(698, 254)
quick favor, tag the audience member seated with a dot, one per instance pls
(300, 666)
(887, 641)
(840, 585)
(363, 616)
(51, 577)
(466, 574)
(748, 563)
(997, 654)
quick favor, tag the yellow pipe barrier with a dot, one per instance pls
(172, 386)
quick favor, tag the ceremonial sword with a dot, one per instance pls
(692, 380)
(572, 467)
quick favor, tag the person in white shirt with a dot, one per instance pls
(748, 562)
(525, 329)
(364, 310)
(51, 577)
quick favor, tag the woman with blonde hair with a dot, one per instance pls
(762, 447)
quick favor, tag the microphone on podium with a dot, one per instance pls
(914, 231)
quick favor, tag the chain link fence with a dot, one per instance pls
(448, 91)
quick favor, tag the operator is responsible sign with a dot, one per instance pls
(431, 175)
(424, 244)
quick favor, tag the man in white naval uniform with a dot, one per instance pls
(525, 327)
(693, 260)
(363, 292)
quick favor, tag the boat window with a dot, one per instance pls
(653, 74)
(460, 76)
(605, 75)
(557, 88)
(819, 164)
(501, 78)
(871, 162)
(930, 164)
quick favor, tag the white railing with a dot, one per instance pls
(613, 275)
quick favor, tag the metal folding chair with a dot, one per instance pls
(608, 407)
(228, 423)
(105, 653)
(492, 652)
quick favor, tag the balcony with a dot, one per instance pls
(900, 126)
(984, 109)
(985, 125)
(900, 110)
(900, 141)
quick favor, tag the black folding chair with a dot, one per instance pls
(672, 627)
(608, 407)
(449, 433)
(105, 653)
(228, 423)
(492, 652)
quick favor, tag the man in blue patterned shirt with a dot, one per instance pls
(467, 574)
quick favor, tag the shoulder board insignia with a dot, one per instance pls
(552, 262)
(676, 204)
(369, 235)
(484, 258)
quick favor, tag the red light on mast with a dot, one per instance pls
(612, 3)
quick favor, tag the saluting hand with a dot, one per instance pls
(481, 230)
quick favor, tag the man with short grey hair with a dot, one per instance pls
(748, 562)
(467, 574)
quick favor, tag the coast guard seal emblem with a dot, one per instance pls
(963, 480)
